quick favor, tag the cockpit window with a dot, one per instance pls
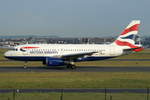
(22, 50)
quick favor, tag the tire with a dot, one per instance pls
(70, 66)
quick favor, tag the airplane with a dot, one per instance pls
(67, 54)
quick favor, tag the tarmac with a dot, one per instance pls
(78, 69)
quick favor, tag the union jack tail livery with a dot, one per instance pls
(129, 38)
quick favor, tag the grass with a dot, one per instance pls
(115, 63)
(73, 96)
(2, 51)
(79, 79)
(20, 64)
(75, 80)
(92, 63)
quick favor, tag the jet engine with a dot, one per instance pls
(53, 62)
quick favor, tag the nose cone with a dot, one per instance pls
(7, 54)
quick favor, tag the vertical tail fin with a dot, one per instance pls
(129, 38)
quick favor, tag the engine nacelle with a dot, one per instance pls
(54, 62)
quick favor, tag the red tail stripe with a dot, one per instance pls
(120, 43)
(139, 49)
(133, 28)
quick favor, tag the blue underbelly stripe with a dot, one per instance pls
(29, 58)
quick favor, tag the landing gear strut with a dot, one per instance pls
(70, 65)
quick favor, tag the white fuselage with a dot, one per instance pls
(58, 50)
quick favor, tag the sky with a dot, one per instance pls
(72, 18)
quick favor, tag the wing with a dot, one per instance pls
(73, 56)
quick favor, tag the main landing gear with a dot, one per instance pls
(71, 65)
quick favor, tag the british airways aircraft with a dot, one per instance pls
(67, 54)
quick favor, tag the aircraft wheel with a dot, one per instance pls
(70, 66)
(73, 67)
